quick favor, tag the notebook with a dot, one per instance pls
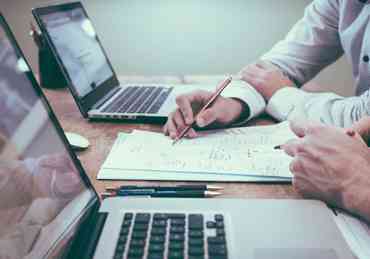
(238, 154)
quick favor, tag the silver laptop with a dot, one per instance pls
(49, 208)
(92, 81)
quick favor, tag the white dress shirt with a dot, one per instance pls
(329, 29)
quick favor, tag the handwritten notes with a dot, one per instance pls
(238, 151)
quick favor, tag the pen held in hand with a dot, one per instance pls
(349, 132)
(220, 88)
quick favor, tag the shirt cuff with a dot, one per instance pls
(247, 94)
(284, 102)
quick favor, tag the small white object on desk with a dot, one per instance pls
(77, 142)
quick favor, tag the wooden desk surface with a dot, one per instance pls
(102, 135)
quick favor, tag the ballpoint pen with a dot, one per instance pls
(164, 194)
(218, 92)
(349, 132)
(165, 188)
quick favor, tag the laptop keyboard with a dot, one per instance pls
(172, 236)
(139, 99)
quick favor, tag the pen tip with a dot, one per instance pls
(277, 147)
(110, 188)
(215, 187)
(211, 194)
(104, 195)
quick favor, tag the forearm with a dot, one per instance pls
(356, 193)
(328, 108)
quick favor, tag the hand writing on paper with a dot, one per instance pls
(224, 111)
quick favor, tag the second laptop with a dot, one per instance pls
(69, 33)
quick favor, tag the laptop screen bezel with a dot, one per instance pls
(94, 203)
(87, 102)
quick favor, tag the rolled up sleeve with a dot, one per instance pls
(329, 108)
(248, 95)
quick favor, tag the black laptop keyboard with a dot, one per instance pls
(135, 99)
(172, 236)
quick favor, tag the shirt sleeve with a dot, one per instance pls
(248, 95)
(312, 44)
(291, 103)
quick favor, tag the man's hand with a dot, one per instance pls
(330, 165)
(265, 78)
(223, 111)
(362, 127)
(56, 177)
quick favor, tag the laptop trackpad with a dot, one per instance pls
(292, 253)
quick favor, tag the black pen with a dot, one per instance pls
(167, 188)
(167, 194)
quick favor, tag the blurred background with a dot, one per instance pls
(184, 37)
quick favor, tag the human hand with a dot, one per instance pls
(265, 78)
(362, 127)
(222, 112)
(331, 166)
(56, 177)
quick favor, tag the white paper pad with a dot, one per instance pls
(231, 155)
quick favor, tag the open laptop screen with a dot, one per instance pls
(42, 194)
(78, 48)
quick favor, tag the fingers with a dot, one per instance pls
(363, 128)
(292, 147)
(302, 127)
(299, 127)
(362, 125)
(184, 104)
(192, 134)
(175, 124)
(350, 132)
(170, 128)
(296, 165)
(206, 117)
(179, 120)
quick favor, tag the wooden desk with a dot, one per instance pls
(102, 135)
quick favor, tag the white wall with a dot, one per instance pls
(175, 37)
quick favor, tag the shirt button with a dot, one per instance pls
(365, 58)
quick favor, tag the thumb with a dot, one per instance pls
(206, 117)
(362, 127)
(298, 127)
(302, 127)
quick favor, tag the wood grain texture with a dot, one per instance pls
(102, 135)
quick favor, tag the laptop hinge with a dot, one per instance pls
(88, 237)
